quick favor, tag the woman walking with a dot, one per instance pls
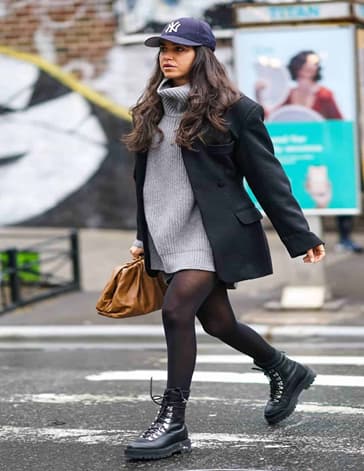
(196, 137)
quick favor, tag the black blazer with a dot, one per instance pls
(231, 220)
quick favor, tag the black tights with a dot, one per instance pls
(199, 293)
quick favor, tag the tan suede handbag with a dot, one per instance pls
(131, 291)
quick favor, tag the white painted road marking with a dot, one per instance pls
(39, 331)
(199, 440)
(115, 330)
(220, 377)
(143, 330)
(118, 344)
(87, 344)
(95, 399)
(306, 359)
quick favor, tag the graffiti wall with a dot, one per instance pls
(65, 88)
(138, 16)
(61, 160)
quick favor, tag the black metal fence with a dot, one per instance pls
(39, 270)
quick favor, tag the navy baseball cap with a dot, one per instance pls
(186, 31)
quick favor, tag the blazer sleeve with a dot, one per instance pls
(138, 217)
(268, 181)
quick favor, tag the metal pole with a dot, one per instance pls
(14, 280)
(75, 256)
(308, 287)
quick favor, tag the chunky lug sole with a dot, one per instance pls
(145, 454)
(305, 383)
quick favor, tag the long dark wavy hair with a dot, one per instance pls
(212, 92)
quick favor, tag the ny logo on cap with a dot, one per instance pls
(172, 27)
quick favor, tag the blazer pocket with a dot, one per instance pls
(248, 215)
(220, 149)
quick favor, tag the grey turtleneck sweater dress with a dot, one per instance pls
(177, 238)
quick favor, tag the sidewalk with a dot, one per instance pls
(102, 249)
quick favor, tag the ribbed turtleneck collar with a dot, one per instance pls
(174, 99)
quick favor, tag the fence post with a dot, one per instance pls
(14, 280)
(75, 256)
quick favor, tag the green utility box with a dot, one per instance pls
(28, 264)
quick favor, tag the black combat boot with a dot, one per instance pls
(167, 434)
(287, 380)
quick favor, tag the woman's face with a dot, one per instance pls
(310, 67)
(175, 61)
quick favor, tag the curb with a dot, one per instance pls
(144, 330)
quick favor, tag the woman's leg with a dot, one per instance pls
(217, 318)
(345, 225)
(287, 378)
(185, 294)
(168, 433)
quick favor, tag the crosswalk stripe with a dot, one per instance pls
(108, 344)
(199, 440)
(116, 344)
(115, 330)
(95, 399)
(306, 359)
(151, 330)
(220, 377)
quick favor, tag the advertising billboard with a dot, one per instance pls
(305, 79)
(360, 43)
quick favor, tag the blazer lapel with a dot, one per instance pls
(140, 168)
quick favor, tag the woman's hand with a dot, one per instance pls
(315, 254)
(136, 251)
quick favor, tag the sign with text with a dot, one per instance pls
(291, 12)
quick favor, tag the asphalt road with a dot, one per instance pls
(68, 406)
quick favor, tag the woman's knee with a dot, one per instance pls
(175, 315)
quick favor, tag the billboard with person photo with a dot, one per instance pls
(304, 78)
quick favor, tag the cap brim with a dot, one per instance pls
(155, 41)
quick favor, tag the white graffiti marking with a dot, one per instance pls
(48, 151)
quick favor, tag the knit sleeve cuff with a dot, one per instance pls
(138, 243)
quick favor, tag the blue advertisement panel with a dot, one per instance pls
(305, 79)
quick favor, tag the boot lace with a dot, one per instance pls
(276, 383)
(164, 417)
